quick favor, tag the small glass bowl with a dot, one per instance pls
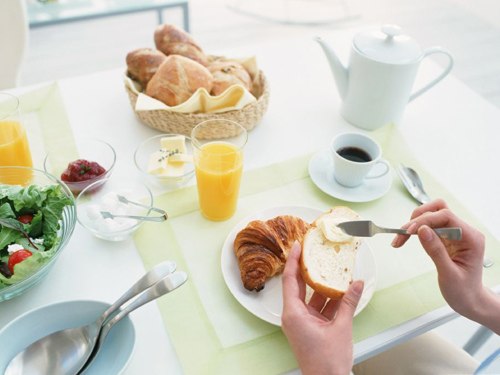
(143, 154)
(93, 195)
(91, 149)
(26, 176)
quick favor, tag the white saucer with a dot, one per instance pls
(321, 172)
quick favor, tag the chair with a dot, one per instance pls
(13, 40)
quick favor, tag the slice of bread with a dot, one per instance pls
(327, 266)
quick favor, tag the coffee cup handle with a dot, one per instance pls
(387, 168)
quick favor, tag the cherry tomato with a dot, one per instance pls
(17, 257)
(25, 219)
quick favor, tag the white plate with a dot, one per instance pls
(268, 303)
(321, 172)
(35, 324)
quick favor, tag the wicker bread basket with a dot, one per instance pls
(183, 123)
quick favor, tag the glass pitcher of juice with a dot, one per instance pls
(14, 148)
(218, 163)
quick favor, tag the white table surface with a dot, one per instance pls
(453, 131)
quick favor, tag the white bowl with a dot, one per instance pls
(114, 356)
(93, 194)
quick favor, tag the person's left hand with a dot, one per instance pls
(320, 334)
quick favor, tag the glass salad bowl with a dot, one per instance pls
(90, 151)
(113, 196)
(38, 213)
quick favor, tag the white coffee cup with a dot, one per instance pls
(362, 159)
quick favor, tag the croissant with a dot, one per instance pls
(262, 248)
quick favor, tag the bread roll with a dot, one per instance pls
(143, 63)
(227, 74)
(327, 265)
(177, 79)
(172, 40)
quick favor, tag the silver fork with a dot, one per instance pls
(413, 183)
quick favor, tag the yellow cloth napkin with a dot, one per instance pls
(234, 98)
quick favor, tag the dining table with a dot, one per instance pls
(451, 133)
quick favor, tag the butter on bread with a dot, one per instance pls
(327, 265)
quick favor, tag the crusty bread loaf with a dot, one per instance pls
(177, 79)
(143, 63)
(227, 74)
(327, 266)
(172, 40)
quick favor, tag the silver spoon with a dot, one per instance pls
(165, 286)
(66, 351)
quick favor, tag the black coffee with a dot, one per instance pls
(355, 154)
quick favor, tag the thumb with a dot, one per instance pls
(350, 301)
(434, 248)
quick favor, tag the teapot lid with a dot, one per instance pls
(388, 45)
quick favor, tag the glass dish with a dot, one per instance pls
(90, 149)
(7, 176)
(143, 154)
(98, 194)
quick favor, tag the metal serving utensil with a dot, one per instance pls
(109, 215)
(366, 228)
(167, 285)
(122, 199)
(413, 183)
(66, 352)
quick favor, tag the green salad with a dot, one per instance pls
(29, 225)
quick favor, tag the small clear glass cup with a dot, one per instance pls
(218, 160)
(14, 148)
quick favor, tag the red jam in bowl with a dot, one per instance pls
(80, 171)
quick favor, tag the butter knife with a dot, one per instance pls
(413, 183)
(366, 228)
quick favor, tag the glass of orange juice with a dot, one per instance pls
(14, 148)
(218, 160)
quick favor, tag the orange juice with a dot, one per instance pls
(218, 167)
(14, 150)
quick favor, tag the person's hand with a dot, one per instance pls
(320, 334)
(459, 263)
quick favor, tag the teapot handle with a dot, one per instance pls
(428, 52)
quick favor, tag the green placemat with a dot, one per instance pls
(213, 334)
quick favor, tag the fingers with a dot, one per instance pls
(435, 249)
(331, 308)
(433, 206)
(293, 284)
(349, 302)
(441, 217)
(317, 302)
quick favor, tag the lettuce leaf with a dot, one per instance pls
(28, 266)
(6, 211)
(46, 203)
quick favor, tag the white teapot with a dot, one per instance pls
(376, 85)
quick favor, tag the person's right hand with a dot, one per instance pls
(459, 263)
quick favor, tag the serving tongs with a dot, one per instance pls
(413, 183)
(122, 199)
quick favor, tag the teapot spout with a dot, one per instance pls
(339, 71)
